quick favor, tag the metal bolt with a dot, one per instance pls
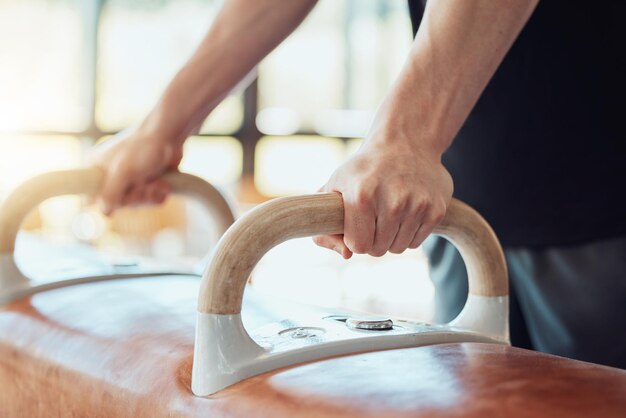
(371, 323)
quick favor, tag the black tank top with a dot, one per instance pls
(543, 153)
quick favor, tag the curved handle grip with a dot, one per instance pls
(88, 181)
(224, 353)
(279, 220)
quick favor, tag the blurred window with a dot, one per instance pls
(141, 46)
(330, 75)
(296, 164)
(42, 76)
(216, 159)
(24, 156)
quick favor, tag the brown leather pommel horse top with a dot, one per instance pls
(136, 362)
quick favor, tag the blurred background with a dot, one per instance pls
(74, 72)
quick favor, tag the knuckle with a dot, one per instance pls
(413, 215)
(161, 197)
(421, 205)
(358, 248)
(396, 208)
(362, 197)
(417, 241)
(377, 253)
(363, 193)
(427, 202)
(438, 213)
(356, 245)
(438, 217)
(396, 250)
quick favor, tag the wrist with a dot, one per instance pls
(159, 128)
(396, 128)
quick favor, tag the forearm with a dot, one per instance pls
(456, 51)
(243, 33)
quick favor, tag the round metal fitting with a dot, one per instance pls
(371, 323)
(302, 332)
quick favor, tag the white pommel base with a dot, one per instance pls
(222, 353)
(12, 281)
(487, 315)
(225, 353)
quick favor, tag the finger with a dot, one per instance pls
(409, 227)
(159, 196)
(405, 235)
(116, 185)
(415, 242)
(392, 212)
(386, 230)
(134, 196)
(151, 191)
(422, 233)
(335, 243)
(157, 191)
(433, 218)
(359, 223)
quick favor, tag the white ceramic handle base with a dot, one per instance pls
(86, 181)
(225, 353)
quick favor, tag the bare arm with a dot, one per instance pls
(242, 34)
(455, 54)
(395, 188)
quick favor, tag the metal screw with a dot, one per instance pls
(371, 323)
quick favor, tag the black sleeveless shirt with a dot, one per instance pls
(542, 155)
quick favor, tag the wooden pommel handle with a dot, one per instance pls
(279, 220)
(88, 181)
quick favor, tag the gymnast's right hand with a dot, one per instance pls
(133, 162)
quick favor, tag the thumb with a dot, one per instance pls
(335, 243)
(332, 242)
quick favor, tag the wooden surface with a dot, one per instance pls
(124, 349)
(88, 182)
(279, 220)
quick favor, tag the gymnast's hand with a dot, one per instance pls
(394, 195)
(133, 162)
(395, 189)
